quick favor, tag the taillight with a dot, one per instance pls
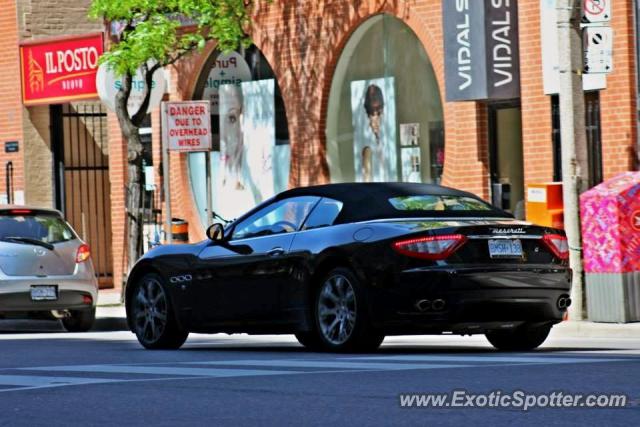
(431, 247)
(83, 253)
(557, 244)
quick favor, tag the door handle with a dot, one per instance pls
(276, 252)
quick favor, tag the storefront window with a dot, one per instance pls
(251, 156)
(385, 118)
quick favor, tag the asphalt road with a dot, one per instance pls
(48, 377)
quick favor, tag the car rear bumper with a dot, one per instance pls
(471, 299)
(15, 293)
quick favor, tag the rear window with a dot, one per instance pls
(439, 203)
(48, 228)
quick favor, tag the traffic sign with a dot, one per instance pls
(596, 11)
(597, 45)
(187, 125)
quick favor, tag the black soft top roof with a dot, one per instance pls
(367, 201)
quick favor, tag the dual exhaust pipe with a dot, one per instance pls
(564, 302)
(426, 305)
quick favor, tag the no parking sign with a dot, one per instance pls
(596, 11)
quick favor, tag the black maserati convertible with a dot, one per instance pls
(343, 265)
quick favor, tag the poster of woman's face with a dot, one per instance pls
(247, 140)
(374, 130)
(231, 138)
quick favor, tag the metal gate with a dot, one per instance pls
(79, 133)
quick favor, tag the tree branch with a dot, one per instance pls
(147, 72)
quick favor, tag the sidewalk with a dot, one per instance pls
(108, 297)
(586, 329)
(110, 312)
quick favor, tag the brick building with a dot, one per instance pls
(358, 90)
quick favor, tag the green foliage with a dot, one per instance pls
(152, 28)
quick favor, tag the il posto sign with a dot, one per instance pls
(481, 49)
(60, 70)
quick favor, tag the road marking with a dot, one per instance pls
(160, 370)
(339, 364)
(488, 359)
(237, 368)
(37, 381)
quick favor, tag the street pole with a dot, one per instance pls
(573, 139)
(207, 165)
(166, 170)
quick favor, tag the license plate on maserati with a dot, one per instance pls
(505, 248)
(44, 293)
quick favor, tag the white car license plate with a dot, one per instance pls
(505, 248)
(44, 293)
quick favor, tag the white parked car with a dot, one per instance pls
(45, 269)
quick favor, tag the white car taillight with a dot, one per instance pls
(83, 253)
(431, 247)
(558, 245)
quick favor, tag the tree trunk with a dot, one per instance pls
(134, 199)
(134, 174)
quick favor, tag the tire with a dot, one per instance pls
(153, 317)
(309, 340)
(80, 320)
(521, 339)
(341, 317)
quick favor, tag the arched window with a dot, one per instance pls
(385, 116)
(251, 152)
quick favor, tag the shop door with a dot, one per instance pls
(505, 152)
(593, 132)
(79, 139)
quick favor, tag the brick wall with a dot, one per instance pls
(618, 102)
(51, 18)
(38, 157)
(117, 174)
(36, 20)
(11, 112)
(537, 148)
(304, 42)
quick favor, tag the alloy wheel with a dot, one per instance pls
(150, 311)
(337, 309)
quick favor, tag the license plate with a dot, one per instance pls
(505, 248)
(44, 293)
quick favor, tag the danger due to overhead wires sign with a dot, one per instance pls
(187, 125)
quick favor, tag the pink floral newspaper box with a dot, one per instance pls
(610, 215)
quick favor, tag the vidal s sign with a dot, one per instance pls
(481, 49)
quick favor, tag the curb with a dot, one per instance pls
(586, 329)
(111, 318)
(109, 297)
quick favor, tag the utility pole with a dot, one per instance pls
(573, 139)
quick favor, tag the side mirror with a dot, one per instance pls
(215, 232)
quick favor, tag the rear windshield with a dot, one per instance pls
(439, 203)
(48, 228)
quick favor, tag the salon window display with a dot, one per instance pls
(385, 118)
(374, 121)
(248, 139)
(247, 147)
